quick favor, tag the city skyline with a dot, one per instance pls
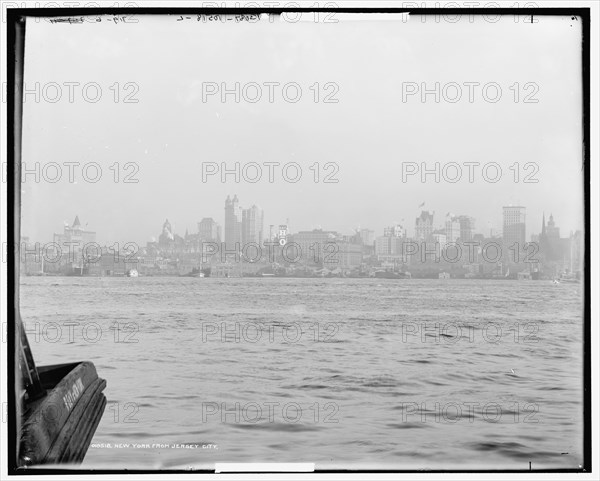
(436, 224)
(315, 252)
(120, 225)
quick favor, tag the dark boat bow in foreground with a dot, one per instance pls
(61, 408)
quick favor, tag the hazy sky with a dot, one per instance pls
(369, 133)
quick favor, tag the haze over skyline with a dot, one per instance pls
(484, 227)
(172, 130)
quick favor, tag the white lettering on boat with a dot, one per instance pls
(70, 398)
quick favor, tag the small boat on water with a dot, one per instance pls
(381, 274)
(60, 407)
(132, 273)
(568, 278)
(196, 272)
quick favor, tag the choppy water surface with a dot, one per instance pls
(363, 373)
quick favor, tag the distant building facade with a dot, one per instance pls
(390, 245)
(467, 227)
(74, 235)
(252, 225)
(209, 230)
(424, 226)
(233, 223)
(452, 230)
(513, 225)
(367, 236)
(242, 226)
(315, 246)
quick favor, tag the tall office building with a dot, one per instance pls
(233, 222)
(209, 230)
(424, 226)
(392, 242)
(252, 225)
(452, 230)
(366, 236)
(551, 245)
(467, 227)
(513, 225)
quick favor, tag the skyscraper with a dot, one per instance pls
(467, 227)
(424, 226)
(233, 222)
(452, 229)
(513, 225)
(209, 230)
(366, 235)
(550, 242)
(252, 225)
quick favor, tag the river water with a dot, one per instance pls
(345, 373)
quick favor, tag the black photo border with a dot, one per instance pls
(16, 31)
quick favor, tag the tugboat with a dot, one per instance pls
(59, 406)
